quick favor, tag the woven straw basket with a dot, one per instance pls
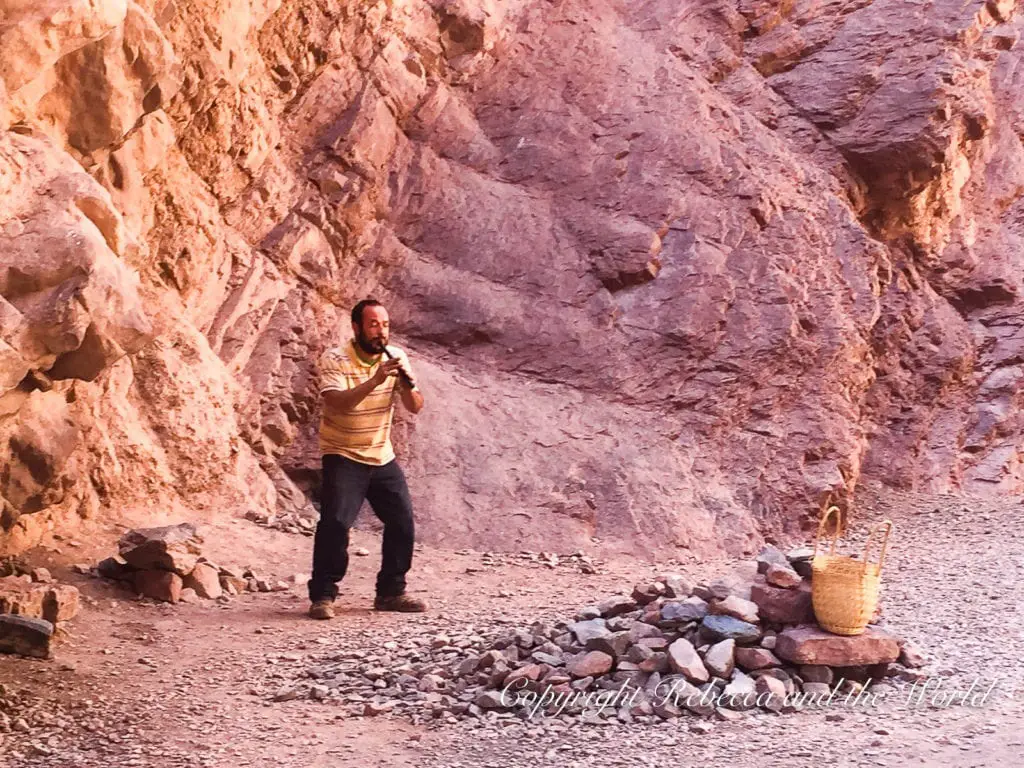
(844, 590)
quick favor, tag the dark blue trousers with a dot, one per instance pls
(346, 484)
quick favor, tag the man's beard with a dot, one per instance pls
(370, 346)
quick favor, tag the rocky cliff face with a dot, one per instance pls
(672, 273)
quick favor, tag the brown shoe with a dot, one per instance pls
(322, 609)
(402, 603)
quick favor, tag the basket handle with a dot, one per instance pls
(821, 528)
(887, 525)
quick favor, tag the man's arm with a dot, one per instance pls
(411, 398)
(347, 399)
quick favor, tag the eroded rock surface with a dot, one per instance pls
(672, 274)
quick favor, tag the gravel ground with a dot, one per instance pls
(148, 685)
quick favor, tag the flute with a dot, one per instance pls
(401, 371)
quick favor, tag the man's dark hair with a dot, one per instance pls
(357, 310)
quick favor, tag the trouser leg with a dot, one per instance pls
(388, 495)
(344, 488)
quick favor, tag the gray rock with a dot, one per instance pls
(721, 627)
(615, 606)
(770, 555)
(614, 644)
(587, 613)
(800, 560)
(741, 692)
(586, 631)
(676, 585)
(25, 636)
(491, 700)
(682, 611)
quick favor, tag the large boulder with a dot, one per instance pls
(25, 636)
(169, 548)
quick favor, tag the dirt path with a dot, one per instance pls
(141, 684)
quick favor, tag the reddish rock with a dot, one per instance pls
(813, 674)
(771, 693)
(205, 580)
(591, 664)
(737, 607)
(519, 678)
(756, 658)
(653, 643)
(656, 662)
(911, 656)
(646, 593)
(684, 659)
(782, 576)
(159, 585)
(169, 548)
(20, 596)
(783, 606)
(814, 646)
(61, 603)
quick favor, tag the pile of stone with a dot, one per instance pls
(288, 522)
(715, 649)
(167, 564)
(576, 561)
(32, 608)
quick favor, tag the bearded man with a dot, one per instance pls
(359, 387)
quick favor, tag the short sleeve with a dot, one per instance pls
(332, 373)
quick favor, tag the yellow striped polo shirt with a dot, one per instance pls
(364, 433)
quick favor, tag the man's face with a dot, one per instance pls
(375, 329)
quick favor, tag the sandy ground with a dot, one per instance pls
(145, 684)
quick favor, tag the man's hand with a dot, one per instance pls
(384, 370)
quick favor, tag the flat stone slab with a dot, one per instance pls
(809, 644)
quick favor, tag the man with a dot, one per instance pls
(358, 386)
